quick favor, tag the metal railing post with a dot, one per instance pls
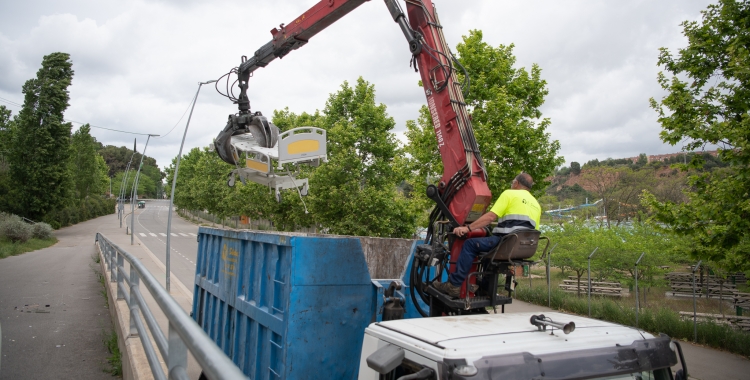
(695, 307)
(177, 356)
(112, 266)
(134, 308)
(592, 254)
(120, 276)
(637, 306)
(183, 333)
(105, 253)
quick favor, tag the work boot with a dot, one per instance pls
(447, 288)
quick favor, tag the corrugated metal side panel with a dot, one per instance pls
(332, 305)
(241, 297)
(284, 306)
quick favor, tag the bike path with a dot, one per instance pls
(52, 311)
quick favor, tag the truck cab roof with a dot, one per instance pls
(511, 346)
(473, 336)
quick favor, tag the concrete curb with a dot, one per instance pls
(134, 362)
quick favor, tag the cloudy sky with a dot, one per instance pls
(138, 63)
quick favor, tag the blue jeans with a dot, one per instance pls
(472, 247)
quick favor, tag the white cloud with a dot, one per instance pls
(138, 63)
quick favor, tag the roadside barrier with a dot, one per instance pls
(183, 334)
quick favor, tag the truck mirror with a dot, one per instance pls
(386, 359)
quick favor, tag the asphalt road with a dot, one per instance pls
(151, 230)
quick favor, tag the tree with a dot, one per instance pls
(620, 188)
(506, 114)
(642, 160)
(575, 168)
(355, 192)
(707, 102)
(5, 136)
(505, 103)
(575, 241)
(85, 164)
(40, 144)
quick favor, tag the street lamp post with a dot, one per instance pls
(135, 191)
(174, 180)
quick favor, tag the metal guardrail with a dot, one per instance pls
(183, 333)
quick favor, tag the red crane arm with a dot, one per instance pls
(462, 194)
(463, 187)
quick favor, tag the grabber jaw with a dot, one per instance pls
(250, 129)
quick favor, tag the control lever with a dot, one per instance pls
(434, 194)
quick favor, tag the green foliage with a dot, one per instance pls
(117, 159)
(41, 230)
(80, 211)
(506, 114)
(617, 250)
(575, 168)
(9, 248)
(5, 180)
(115, 357)
(39, 148)
(88, 169)
(620, 188)
(146, 185)
(505, 104)
(355, 192)
(15, 230)
(707, 102)
(655, 320)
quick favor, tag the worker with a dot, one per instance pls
(517, 210)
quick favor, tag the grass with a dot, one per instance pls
(9, 248)
(109, 337)
(659, 315)
(115, 358)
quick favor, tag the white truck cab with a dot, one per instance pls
(513, 346)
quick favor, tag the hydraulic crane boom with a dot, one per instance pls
(462, 195)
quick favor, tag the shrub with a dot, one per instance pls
(15, 230)
(90, 208)
(41, 230)
(4, 216)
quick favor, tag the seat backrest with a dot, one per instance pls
(518, 245)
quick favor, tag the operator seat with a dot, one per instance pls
(515, 248)
(517, 245)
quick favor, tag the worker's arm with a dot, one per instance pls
(483, 221)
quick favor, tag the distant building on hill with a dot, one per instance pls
(667, 157)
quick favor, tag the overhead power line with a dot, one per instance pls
(12, 103)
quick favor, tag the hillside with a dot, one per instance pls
(620, 182)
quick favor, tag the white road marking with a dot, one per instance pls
(142, 234)
(185, 235)
(172, 233)
(162, 234)
(192, 234)
(152, 234)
